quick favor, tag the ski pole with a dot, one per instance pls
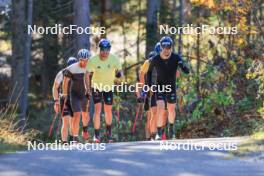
(118, 108)
(52, 124)
(135, 122)
(62, 113)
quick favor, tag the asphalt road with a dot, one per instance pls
(135, 158)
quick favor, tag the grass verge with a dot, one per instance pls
(12, 139)
(252, 147)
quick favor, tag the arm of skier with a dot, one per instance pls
(183, 65)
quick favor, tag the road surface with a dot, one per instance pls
(134, 158)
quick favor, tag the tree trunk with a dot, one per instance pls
(138, 37)
(50, 62)
(198, 57)
(102, 16)
(152, 26)
(249, 24)
(124, 49)
(24, 100)
(18, 38)
(181, 23)
(82, 19)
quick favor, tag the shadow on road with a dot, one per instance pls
(139, 158)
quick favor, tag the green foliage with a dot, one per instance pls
(256, 73)
(197, 113)
(212, 101)
(221, 99)
(244, 104)
(261, 110)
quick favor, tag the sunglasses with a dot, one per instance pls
(82, 59)
(166, 46)
(104, 49)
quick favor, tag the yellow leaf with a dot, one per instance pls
(242, 11)
(211, 4)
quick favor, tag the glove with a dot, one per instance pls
(185, 69)
(142, 97)
(140, 100)
(143, 94)
(118, 75)
(88, 94)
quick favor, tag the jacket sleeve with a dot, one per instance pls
(67, 73)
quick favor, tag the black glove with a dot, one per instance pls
(185, 69)
(140, 100)
(118, 75)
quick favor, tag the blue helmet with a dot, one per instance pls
(166, 41)
(151, 54)
(71, 61)
(104, 43)
(158, 48)
(84, 54)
